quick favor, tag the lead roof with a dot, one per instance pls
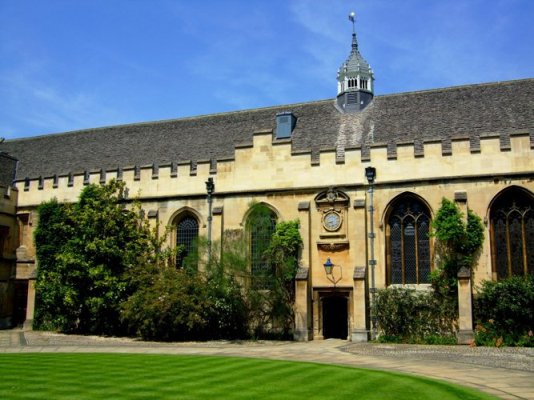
(355, 63)
(441, 114)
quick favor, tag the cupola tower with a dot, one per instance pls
(355, 79)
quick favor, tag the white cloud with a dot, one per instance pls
(48, 108)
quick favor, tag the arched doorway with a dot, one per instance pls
(335, 317)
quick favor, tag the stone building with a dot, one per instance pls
(9, 240)
(473, 144)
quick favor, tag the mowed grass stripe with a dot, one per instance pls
(149, 376)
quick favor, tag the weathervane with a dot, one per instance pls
(352, 18)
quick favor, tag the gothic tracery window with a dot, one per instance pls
(408, 244)
(186, 236)
(512, 233)
(261, 224)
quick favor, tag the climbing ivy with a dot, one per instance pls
(458, 243)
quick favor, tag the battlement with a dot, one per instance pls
(270, 164)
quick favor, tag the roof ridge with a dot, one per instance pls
(449, 88)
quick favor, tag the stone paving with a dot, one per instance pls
(507, 373)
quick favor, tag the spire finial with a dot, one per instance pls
(352, 18)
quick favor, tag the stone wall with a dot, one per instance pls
(267, 171)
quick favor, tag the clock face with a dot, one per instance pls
(331, 221)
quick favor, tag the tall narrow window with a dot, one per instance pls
(408, 243)
(261, 225)
(186, 237)
(512, 233)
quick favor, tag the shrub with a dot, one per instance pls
(180, 305)
(86, 251)
(504, 312)
(228, 312)
(172, 308)
(409, 316)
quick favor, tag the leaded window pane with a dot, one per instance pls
(396, 252)
(512, 216)
(516, 244)
(186, 236)
(410, 261)
(261, 226)
(409, 244)
(501, 256)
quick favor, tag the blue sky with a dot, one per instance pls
(75, 64)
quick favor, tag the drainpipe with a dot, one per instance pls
(210, 187)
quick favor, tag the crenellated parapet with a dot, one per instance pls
(268, 164)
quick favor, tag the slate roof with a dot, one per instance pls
(7, 169)
(470, 111)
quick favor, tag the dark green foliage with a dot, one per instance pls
(102, 270)
(409, 316)
(458, 243)
(85, 251)
(228, 312)
(185, 304)
(504, 312)
(51, 235)
(180, 305)
(168, 309)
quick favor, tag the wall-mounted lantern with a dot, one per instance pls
(329, 270)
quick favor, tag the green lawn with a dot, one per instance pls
(135, 376)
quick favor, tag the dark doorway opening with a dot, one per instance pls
(335, 325)
(20, 302)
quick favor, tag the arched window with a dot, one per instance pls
(186, 236)
(408, 244)
(512, 233)
(261, 224)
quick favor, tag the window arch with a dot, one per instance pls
(186, 236)
(407, 241)
(261, 223)
(512, 233)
